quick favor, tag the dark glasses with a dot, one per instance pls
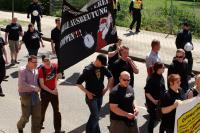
(126, 80)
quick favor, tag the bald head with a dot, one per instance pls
(124, 79)
(14, 20)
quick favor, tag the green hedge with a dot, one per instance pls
(21, 5)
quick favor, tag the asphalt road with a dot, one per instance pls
(72, 104)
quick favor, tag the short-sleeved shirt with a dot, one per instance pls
(49, 76)
(32, 39)
(156, 87)
(124, 98)
(2, 43)
(120, 66)
(55, 36)
(13, 31)
(167, 100)
(152, 58)
(94, 78)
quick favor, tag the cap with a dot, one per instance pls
(103, 59)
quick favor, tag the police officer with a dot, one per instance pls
(135, 9)
(36, 12)
(2, 63)
(182, 39)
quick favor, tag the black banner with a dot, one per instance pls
(84, 32)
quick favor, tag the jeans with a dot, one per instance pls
(94, 105)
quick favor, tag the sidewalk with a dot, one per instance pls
(139, 44)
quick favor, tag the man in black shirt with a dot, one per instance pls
(123, 111)
(182, 39)
(13, 31)
(36, 12)
(180, 66)
(93, 76)
(2, 63)
(125, 63)
(55, 42)
(168, 104)
(113, 53)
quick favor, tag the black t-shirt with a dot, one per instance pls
(124, 98)
(55, 36)
(13, 31)
(94, 79)
(167, 100)
(120, 66)
(181, 69)
(156, 87)
(2, 43)
(32, 39)
(35, 7)
(115, 57)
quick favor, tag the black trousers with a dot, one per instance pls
(37, 20)
(164, 129)
(152, 119)
(58, 57)
(136, 18)
(47, 98)
(188, 56)
(2, 72)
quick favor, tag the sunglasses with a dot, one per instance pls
(126, 80)
(179, 56)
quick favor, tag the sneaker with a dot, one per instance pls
(2, 95)
(20, 130)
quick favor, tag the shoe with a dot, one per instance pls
(2, 95)
(192, 74)
(137, 31)
(16, 62)
(60, 132)
(42, 127)
(63, 76)
(12, 62)
(20, 130)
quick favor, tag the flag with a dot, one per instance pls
(85, 31)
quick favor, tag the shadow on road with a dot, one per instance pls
(129, 34)
(78, 129)
(14, 74)
(71, 80)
